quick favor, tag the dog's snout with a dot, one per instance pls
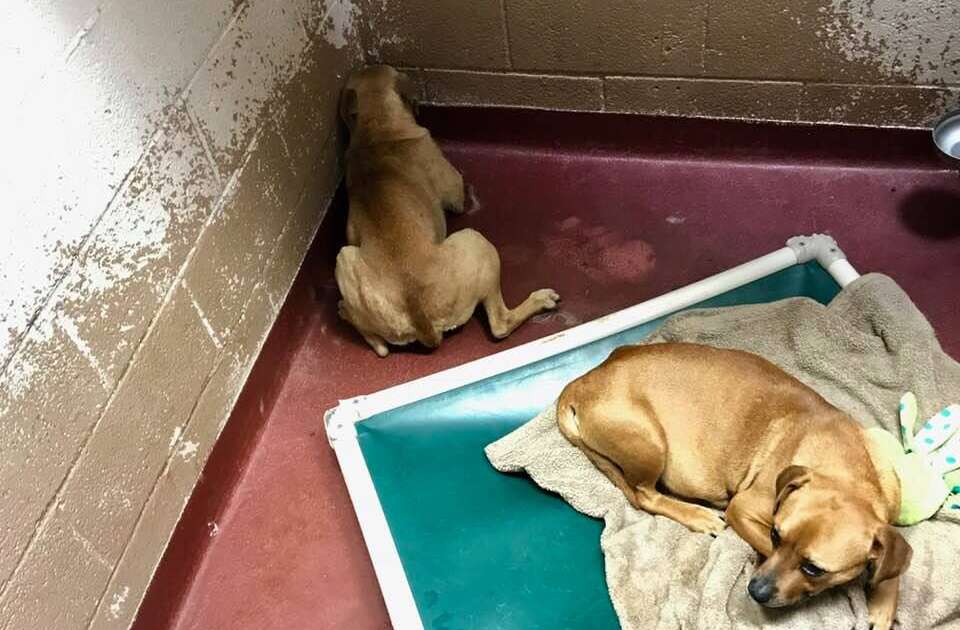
(762, 589)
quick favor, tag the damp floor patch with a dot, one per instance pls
(459, 546)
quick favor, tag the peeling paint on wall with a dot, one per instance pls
(188, 450)
(177, 432)
(915, 40)
(375, 47)
(110, 284)
(133, 243)
(380, 30)
(338, 24)
(125, 123)
(118, 600)
(85, 87)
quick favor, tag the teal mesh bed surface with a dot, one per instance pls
(483, 550)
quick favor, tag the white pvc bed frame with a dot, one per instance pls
(341, 420)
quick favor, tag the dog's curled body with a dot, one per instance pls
(794, 473)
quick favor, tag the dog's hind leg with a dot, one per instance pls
(377, 343)
(477, 265)
(374, 341)
(504, 321)
(350, 274)
(636, 445)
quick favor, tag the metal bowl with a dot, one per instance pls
(946, 134)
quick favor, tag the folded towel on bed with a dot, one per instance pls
(861, 352)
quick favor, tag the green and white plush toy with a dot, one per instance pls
(927, 460)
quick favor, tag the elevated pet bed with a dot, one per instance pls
(861, 352)
(457, 545)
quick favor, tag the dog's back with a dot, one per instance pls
(393, 199)
(709, 410)
(401, 277)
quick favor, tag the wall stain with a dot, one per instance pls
(338, 26)
(916, 41)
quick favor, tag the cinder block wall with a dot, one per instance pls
(884, 62)
(164, 167)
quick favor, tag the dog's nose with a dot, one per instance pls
(762, 589)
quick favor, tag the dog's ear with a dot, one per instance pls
(789, 479)
(348, 107)
(409, 92)
(889, 556)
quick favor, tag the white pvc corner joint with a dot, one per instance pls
(340, 421)
(825, 251)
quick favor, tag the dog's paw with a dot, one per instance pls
(880, 621)
(546, 299)
(706, 521)
(378, 345)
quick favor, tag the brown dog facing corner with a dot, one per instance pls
(401, 277)
(729, 428)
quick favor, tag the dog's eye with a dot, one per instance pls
(775, 537)
(811, 570)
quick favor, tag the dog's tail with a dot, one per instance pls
(427, 334)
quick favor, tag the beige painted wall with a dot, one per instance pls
(885, 62)
(164, 167)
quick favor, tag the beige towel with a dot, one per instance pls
(862, 352)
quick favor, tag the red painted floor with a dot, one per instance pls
(608, 210)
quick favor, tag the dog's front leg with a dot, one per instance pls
(751, 522)
(882, 603)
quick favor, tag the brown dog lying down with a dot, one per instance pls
(733, 430)
(401, 277)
